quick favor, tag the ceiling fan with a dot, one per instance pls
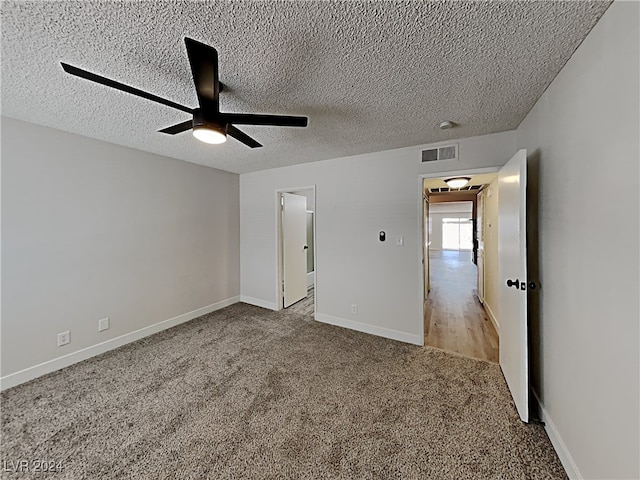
(209, 124)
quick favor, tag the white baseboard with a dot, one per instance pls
(310, 278)
(258, 302)
(36, 371)
(558, 444)
(492, 317)
(372, 329)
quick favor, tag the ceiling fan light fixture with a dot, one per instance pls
(208, 123)
(210, 134)
(457, 182)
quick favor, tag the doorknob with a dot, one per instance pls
(306, 247)
(513, 283)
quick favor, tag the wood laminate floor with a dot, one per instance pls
(454, 318)
(304, 306)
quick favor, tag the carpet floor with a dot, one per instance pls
(250, 393)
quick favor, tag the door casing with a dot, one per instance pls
(279, 245)
(424, 272)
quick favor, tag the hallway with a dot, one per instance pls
(454, 317)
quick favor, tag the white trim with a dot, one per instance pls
(558, 444)
(422, 261)
(422, 177)
(279, 266)
(49, 366)
(279, 275)
(492, 317)
(310, 279)
(371, 329)
(258, 302)
(295, 189)
(466, 171)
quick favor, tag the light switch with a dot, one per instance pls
(400, 241)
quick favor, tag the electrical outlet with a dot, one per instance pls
(103, 324)
(64, 338)
(354, 308)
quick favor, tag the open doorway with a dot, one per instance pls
(460, 238)
(502, 262)
(296, 250)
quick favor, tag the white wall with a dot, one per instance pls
(438, 211)
(582, 138)
(356, 197)
(93, 230)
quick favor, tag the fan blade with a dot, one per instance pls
(204, 68)
(78, 72)
(179, 128)
(253, 119)
(242, 137)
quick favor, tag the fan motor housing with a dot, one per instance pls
(200, 120)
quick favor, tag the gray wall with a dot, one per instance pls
(93, 230)
(582, 140)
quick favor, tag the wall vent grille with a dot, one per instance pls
(446, 152)
(468, 188)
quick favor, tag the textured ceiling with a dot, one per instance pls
(370, 75)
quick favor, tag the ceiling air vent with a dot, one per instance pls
(468, 188)
(446, 152)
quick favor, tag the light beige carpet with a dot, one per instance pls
(249, 393)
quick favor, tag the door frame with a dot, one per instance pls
(280, 244)
(421, 223)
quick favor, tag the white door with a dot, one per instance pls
(294, 248)
(512, 274)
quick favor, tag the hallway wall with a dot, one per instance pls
(492, 281)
